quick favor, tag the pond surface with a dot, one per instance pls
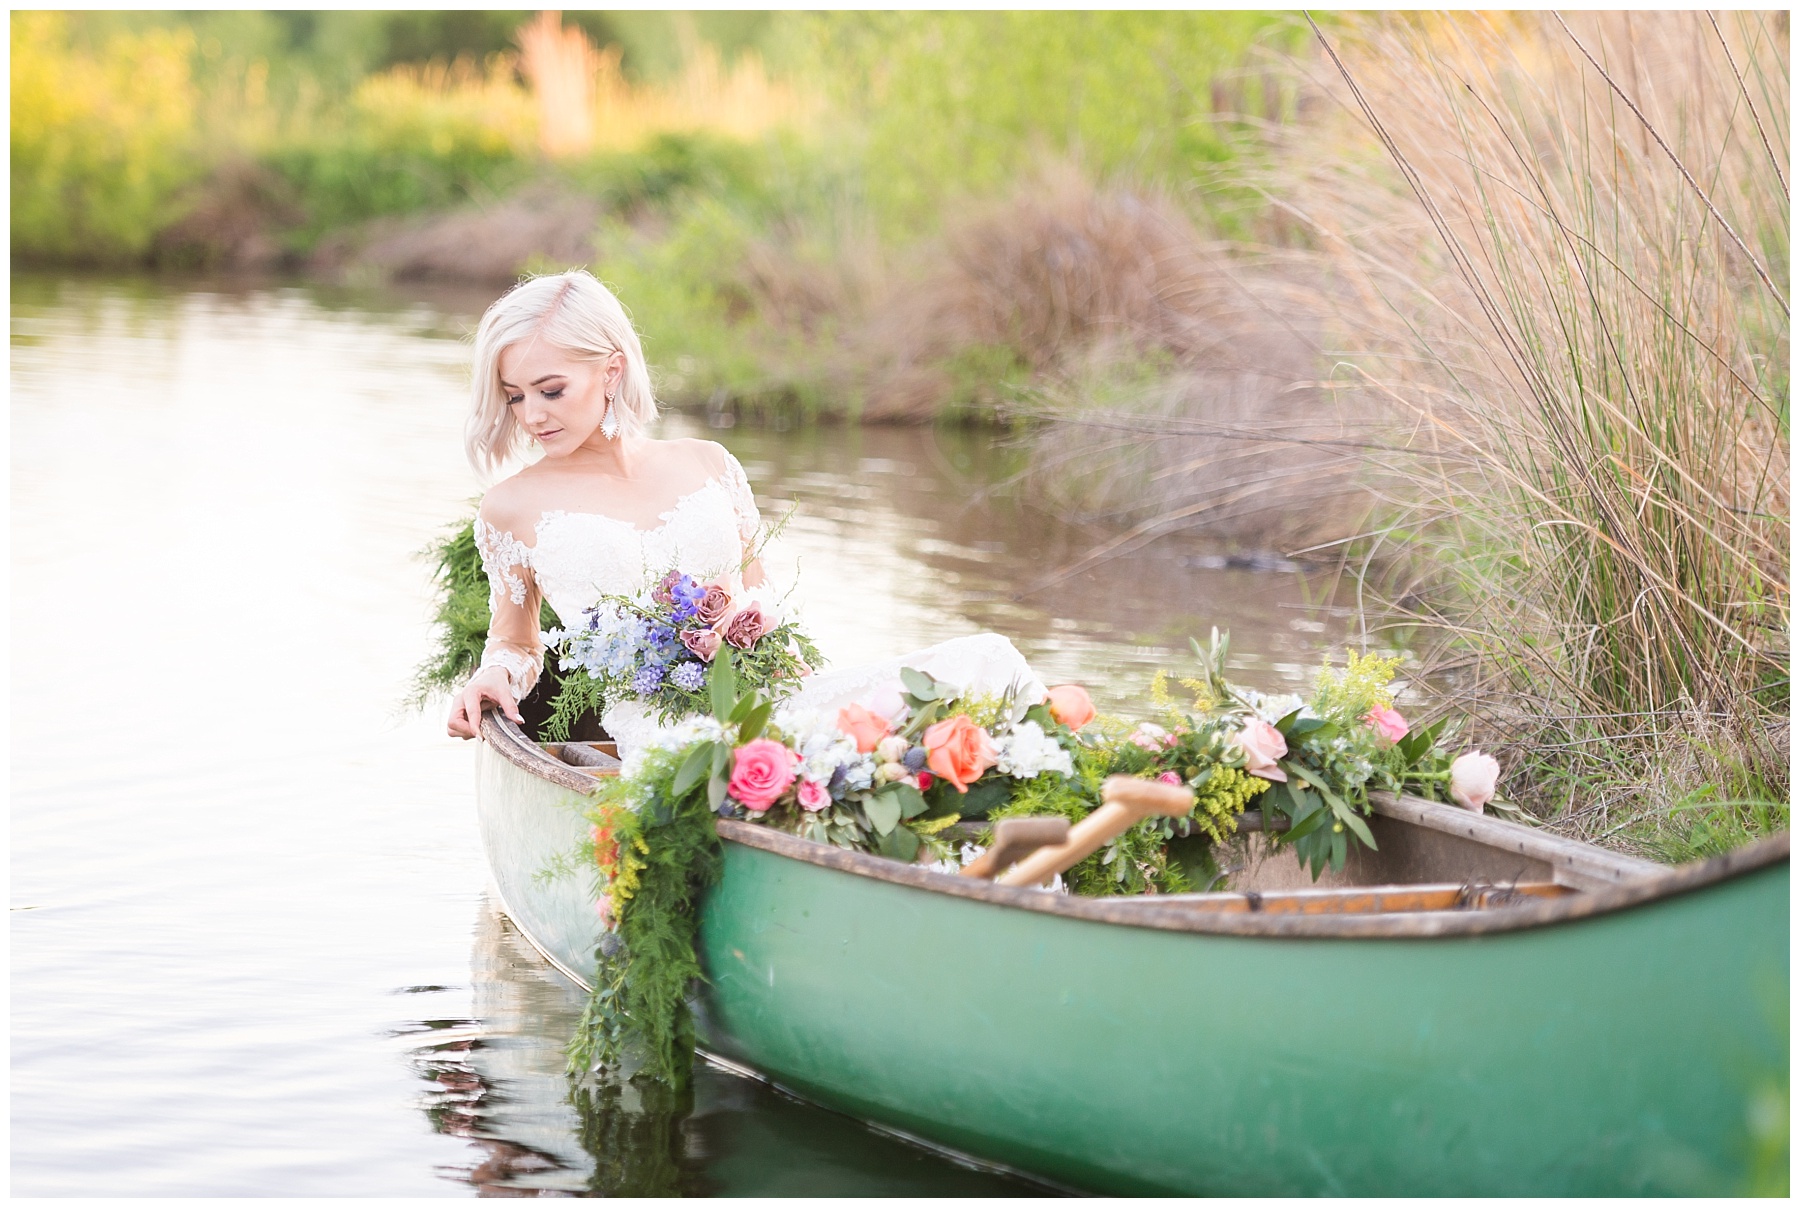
(252, 947)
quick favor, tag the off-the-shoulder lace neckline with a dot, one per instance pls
(667, 517)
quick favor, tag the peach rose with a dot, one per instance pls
(703, 643)
(761, 771)
(1473, 777)
(715, 602)
(1070, 705)
(959, 751)
(1263, 745)
(744, 627)
(1386, 722)
(867, 728)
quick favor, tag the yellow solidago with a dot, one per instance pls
(1361, 686)
(931, 826)
(1222, 798)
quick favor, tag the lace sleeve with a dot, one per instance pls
(513, 642)
(742, 501)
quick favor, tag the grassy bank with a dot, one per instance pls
(1569, 280)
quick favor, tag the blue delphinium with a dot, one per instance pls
(647, 680)
(685, 595)
(688, 676)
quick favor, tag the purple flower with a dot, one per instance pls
(688, 676)
(914, 759)
(647, 680)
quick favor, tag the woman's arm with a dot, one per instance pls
(514, 654)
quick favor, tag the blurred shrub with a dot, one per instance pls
(102, 139)
(964, 103)
(411, 138)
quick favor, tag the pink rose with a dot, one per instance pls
(1472, 779)
(1150, 736)
(702, 643)
(744, 627)
(761, 771)
(603, 908)
(715, 602)
(1386, 722)
(1263, 745)
(1169, 778)
(813, 796)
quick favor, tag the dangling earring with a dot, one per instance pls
(609, 426)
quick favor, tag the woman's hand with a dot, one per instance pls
(490, 684)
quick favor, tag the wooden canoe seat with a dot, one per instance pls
(594, 758)
(1364, 899)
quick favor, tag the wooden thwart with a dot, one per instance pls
(1381, 899)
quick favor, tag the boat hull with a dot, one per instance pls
(1618, 1053)
(1614, 1055)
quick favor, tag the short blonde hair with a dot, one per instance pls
(574, 312)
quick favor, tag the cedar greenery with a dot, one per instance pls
(463, 613)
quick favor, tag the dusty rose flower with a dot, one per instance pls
(1472, 779)
(744, 627)
(813, 796)
(715, 602)
(1071, 705)
(1263, 745)
(959, 751)
(703, 643)
(867, 728)
(1150, 736)
(761, 771)
(1386, 722)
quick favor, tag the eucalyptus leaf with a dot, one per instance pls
(692, 769)
(753, 724)
(912, 801)
(723, 684)
(899, 844)
(883, 810)
(921, 685)
(716, 788)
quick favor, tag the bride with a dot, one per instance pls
(608, 508)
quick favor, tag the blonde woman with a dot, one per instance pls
(608, 507)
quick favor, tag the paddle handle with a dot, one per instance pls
(1014, 839)
(1128, 801)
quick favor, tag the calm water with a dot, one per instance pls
(252, 949)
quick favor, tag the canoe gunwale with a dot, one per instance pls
(510, 742)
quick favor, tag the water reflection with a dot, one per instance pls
(497, 1080)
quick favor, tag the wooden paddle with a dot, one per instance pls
(1128, 801)
(1014, 839)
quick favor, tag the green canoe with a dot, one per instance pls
(1478, 1008)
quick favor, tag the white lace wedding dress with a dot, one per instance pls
(573, 558)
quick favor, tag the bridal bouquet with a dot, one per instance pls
(660, 646)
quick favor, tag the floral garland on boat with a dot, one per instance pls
(893, 786)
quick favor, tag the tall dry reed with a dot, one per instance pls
(1558, 249)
